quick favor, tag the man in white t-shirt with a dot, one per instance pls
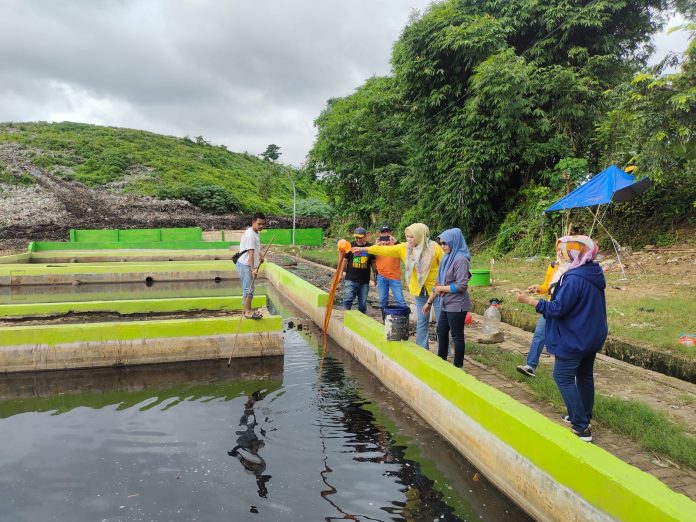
(248, 263)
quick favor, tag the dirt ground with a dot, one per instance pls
(675, 398)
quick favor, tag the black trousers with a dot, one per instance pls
(451, 323)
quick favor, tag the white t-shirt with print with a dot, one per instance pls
(250, 239)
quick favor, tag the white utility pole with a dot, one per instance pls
(294, 205)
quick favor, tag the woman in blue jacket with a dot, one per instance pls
(576, 328)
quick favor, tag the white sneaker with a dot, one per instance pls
(527, 370)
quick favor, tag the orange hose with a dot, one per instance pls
(332, 295)
(343, 248)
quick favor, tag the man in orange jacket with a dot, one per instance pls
(388, 272)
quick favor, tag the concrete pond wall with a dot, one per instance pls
(91, 345)
(121, 272)
(91, 341)
(541, 465)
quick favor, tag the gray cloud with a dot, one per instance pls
(242, 73)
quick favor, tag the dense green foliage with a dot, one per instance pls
(493, 105)
(360, 145)
(310, 207)
(208, 176)
(652, 124)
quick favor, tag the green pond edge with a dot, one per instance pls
(24, 270)
(129, 306)
(52, 335)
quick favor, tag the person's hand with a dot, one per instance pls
(533, 289)
(374, 283)
(439, 290)
(524, 298)
(263, 258)
(254, 272)
(358, 250)
(426, 308)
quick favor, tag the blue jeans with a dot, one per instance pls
(351, 289)
(423, 321)
(451, 323)
(575, 381)
(385, 284)
(246, 279)
(537, 343)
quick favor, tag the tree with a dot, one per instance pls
(652, 125)
(272, 153)
(499, 91)
(360, 144)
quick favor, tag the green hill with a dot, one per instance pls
(164, 167)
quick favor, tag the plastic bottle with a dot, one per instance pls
(491, 318)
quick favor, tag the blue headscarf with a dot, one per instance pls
(457, 244)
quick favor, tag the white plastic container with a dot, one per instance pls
(491, 318)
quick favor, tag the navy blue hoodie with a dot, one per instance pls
(576, 316)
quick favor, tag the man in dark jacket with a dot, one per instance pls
(576, 328)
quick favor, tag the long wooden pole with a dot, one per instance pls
(239, 325)
(343, 249)
(329, 307)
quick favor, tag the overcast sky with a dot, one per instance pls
(241, 73)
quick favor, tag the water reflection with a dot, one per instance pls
(170, 384)
(249, 443)
(347, 415)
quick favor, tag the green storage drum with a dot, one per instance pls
(481, 277)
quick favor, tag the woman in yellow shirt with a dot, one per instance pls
(421, 256)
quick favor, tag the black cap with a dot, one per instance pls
(359, 232)
(385, 228)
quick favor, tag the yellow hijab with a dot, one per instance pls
(421, 255)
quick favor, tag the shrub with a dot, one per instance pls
(311, 207)
(526, 230)
(211, 198)
(9, 178)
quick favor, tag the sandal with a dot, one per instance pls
(255, 315)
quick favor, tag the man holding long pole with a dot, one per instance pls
(248, 263)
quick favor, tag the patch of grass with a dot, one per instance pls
(648, 308)
(685, 399)
(8, 178)
(324, 256)
(543, 387)
(652, 319)
(653, 430)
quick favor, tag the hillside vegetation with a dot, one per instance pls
(164, 167)
(494, 109)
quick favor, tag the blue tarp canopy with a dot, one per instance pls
(612, 184)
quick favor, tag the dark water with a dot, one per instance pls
(264, 440)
